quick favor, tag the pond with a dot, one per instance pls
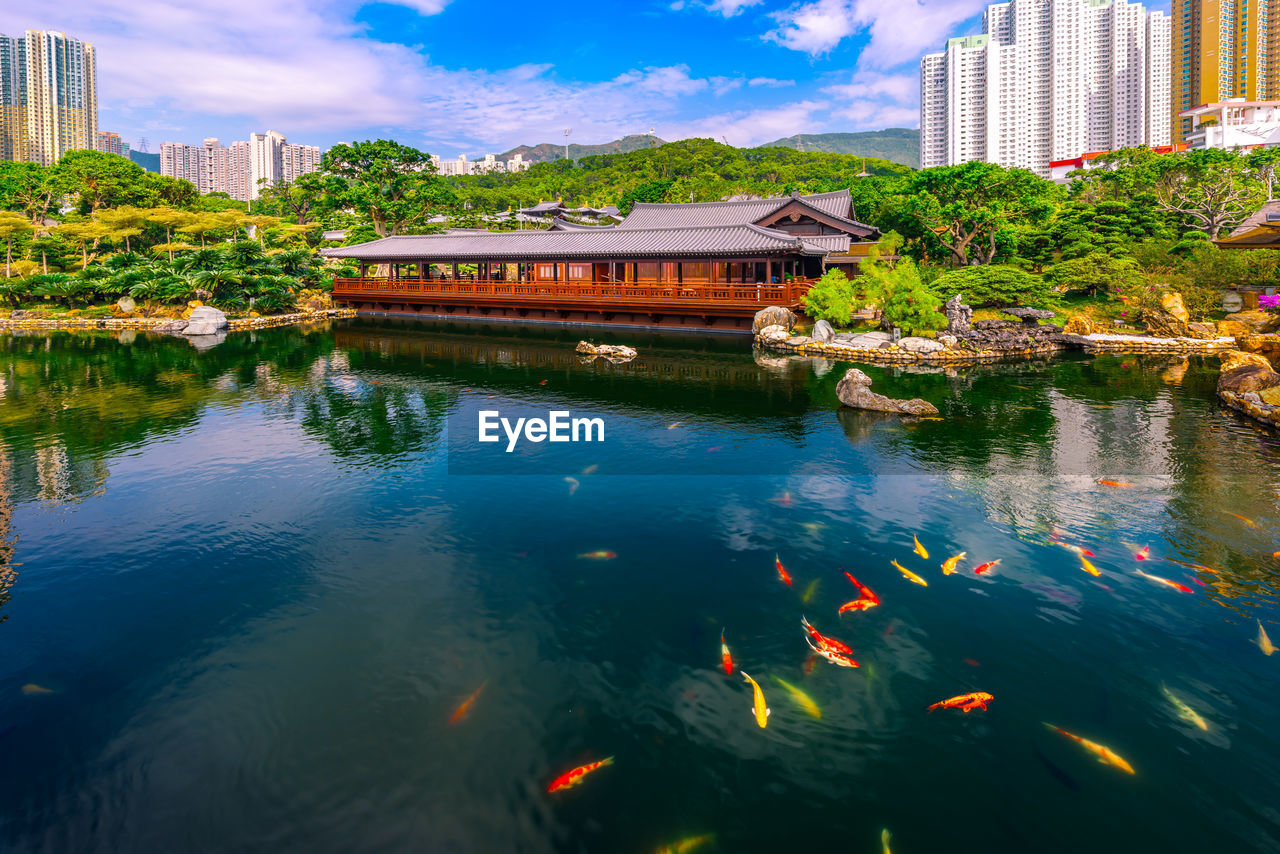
(276, 596)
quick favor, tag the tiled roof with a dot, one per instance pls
(682, 214)
(595, 243)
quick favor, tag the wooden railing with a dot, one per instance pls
(573, 294)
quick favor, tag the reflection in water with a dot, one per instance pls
(257, 598)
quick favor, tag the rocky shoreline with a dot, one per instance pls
(165, 324)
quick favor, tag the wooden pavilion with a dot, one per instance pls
(710, 265)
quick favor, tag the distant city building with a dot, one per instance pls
(1060, 170)
(490, 163)
(1045, 81)
(48, 96)
(1225, 49)
(111, 143)
(242, 168)
(1234, 124)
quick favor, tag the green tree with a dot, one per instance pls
(1096, 273)
(830, 299)
(12, 224)
(1210, 188)
(31, 188)
(897, 287)
(101, 180)
(392, 184)
(125, 222)
(996, 285)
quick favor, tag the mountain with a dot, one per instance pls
(900, 145)
(150, 162)
(549, 151)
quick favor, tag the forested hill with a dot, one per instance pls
(699, 170)
(548, 151)
(900, 145)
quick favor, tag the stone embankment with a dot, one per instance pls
(24, 320)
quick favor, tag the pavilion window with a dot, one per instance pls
(670, 271)
(546, 271)
(579, 271)
(647, 271)
(695, 271)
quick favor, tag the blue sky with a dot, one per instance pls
(476, 76)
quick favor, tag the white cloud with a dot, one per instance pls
(873, 100)
(899, 30)
(672, 81)
(422, 7)
(771, 82)
(729, 8)
(752, 127)
(725, 85)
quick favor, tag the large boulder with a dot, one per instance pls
(124, 307)
(1078, 324)
(612, 352)
(854, 391)
(920, 345)
(1259, 322)
(1232, 359)
(1248, 378)
(1263, 345)
(1202, 331)
(959, 315)
(1030, 315)
(774, 334)
(774, 315)
(205, 320)
(1233, 329)
(30, 314)
(1170, 319)
(865, 340)
(823, 333)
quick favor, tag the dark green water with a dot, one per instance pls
(254, 584)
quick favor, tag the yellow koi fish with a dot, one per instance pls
(1105, 755)
(591, 469)
(814, 527)
(1264, 642)
(31, 689)
(909, 574)
(920, 550)
(1088, 567)
(687, 845)
(802, 699)
(1249, 523)
(885, 837)
(761, 711)
(1185, 712)
(809, 591)
(949, 567)
(573, 484)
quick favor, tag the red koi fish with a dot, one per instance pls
(1166, 582)
(965, 702)
(725, 658)
(835, 651)
(867, 598)
(782, 571)
(574, 777)
(986, 567)
(464, 708)
(1116, 483)
(1143, 553)
(598, 555)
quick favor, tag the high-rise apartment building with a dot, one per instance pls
(1223, 49)
(111, 143)
(242, 168)
(1047, 80)
(48, 96)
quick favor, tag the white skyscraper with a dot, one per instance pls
(1048, 80)
(237, 169)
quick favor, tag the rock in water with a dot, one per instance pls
(1232, 359)
(612, 352)
(823, 332)
(920, 345)
(774, 315)
(1248, 378)
(959, 315)
(1170, 320)
(774, 334)
(205, 320)
(126, 305)
(854, 391)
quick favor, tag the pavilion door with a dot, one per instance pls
(600, 273)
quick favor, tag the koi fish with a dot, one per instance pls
(1275, 555)
(835, 651)
(808, 664)
(1194, 566)
(911, 576)
(965, 702)
(986, 567)
(31, 689)
(1264, 643)
(686, 845)
(809, 591)
(919, 549)
(1088, 567)
(464, 708)
(598, 555)
(1105, 754)
(1143, 553)
(573, 484)
(782, 572)
(1115, 483)
(574, 777)
(673, 425)
(1082, 552)
(813, 527)
(885, 838)
(726, 660)
(802, 699)
(760, 710)
(1166, 582)
(971, 662)
(867, 598)
(783, 500)
(949, 566)
(544, 382)
(1248, 523)
(591, 469)
(1185, 712)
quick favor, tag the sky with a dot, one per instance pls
(477, 76)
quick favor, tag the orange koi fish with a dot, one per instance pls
(1166, 582)
(919, 549)
(464, 708)
(544, 382)
(1115, 483)
(782, 572)
(986, 567)
(1077, 549)
(1105, 754)
(599, 555)
(783, 500)
(949, 566)
(1088, 567)
(867, 598)
(911, 576)
(758, 706)
(725, 658)
(31, 689)
(574, 777)
(1194, 566)
(808, 664)
(1264, 643)
(1275, 555)
(835, 651)
(965, 702)
(1249, 523)
(1143, 553)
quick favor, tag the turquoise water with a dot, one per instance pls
(254, 584)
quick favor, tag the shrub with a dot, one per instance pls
(1271, 304)
(1095, 273)
(996, 285)
(830, 299)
